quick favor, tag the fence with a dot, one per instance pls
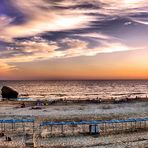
(29, 132)
(16, 125)
(14, 132)
(100, 127)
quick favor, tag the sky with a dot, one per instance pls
(73, 39)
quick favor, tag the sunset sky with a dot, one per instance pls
(73, 39)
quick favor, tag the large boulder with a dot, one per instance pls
(8, 93)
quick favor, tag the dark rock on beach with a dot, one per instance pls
(8, 93)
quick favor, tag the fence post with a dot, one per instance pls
(33, 127)
(62, 129)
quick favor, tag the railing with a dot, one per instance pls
(28, 131)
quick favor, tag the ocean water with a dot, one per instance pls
(91, 89)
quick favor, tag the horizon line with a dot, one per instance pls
(74, 79)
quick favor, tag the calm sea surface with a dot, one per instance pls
(79, 89)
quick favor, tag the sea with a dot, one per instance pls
(78, 89)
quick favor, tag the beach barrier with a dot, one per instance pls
(15, 125)
(31, 132)
(14, 132)
(61, 128)
(99, 127)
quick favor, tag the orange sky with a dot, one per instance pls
(121, 65)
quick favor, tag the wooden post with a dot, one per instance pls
(144, 124)
(105, 128)
(140, 124)
(33, 127)
(4, 126)
(131, 126)
(23, 127)
(108, 128)
(126, 126)
(135, 125)
(34, 137)
(73, 130)
(62, 129)
(12, 126)
(51, 129)
(84, 128)
(122, 128)
(102, 128)
(1, 127)
(113, 127)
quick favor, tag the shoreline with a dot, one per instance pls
(72, 101)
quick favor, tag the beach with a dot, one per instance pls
(78, 112)
(86, 105)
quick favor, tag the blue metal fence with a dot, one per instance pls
(17, 120)
(95, 122)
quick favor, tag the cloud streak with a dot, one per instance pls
(45, 29)
(40, 20)
(45, 15)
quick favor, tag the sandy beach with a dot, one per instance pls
(82, 110)
(76, 112)
(133, 140)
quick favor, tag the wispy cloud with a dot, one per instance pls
(42, 17)
(6, 67)
(44, 29)
(39, 49)
(45, 16)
